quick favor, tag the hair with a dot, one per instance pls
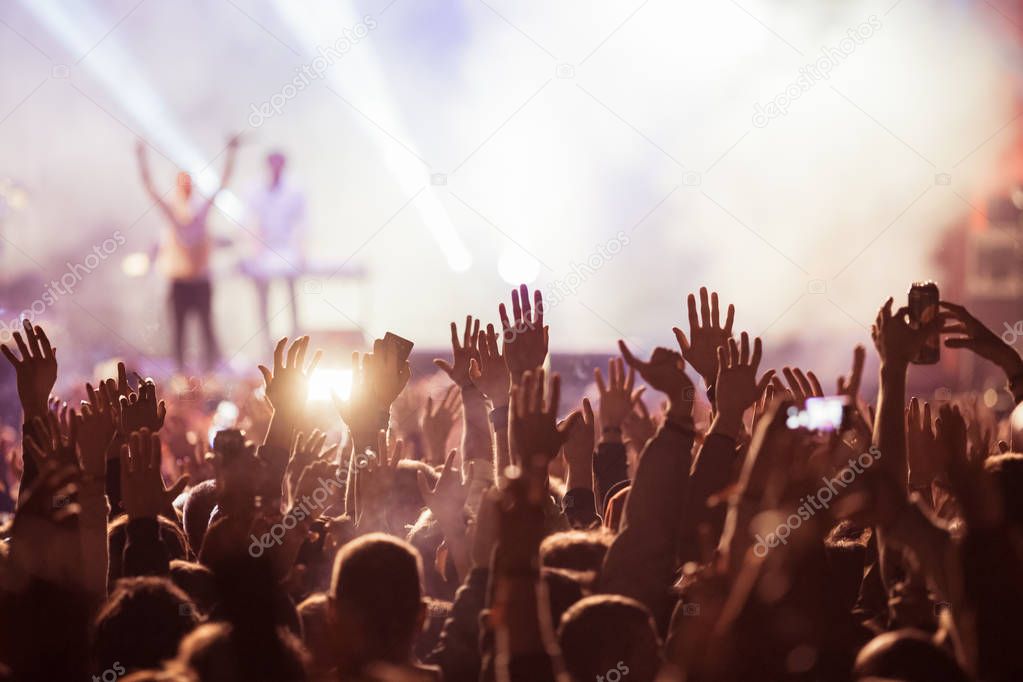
(316, 631)
(197, 581)
(141, 623)
(908, 655)
(377, 596)
(564, 589)
(576, 550)
(195, 516)
(171, 537)
(845, 548)
(214, 653)
(603, 632)
(1007, 471)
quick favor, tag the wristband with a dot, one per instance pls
(685, 428)
(613, 429)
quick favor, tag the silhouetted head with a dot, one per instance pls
(141, 624)
(195, 516)
(576, 550)
(376, 601)
(171, 536)
(1007, 470)
(212, 653)
(609, 632)
(316, 632)
(197, 581)
(908, 655)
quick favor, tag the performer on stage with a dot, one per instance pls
(184, 254)
(276, 214)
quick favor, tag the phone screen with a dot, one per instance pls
(818, 414)
(923, 307)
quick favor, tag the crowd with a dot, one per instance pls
(496, 533)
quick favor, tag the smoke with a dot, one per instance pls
(759, 148)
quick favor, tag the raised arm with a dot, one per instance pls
(973, 335)
(737, 388)
(477, 443)
(526, 647)
(147, 182)
(229, 163)
(489, 373)
(36, 373)
(287, 390)
(641, 562)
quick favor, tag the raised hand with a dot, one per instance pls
(36, 370)
(617, 399)
(138, 409)
(579, 447)
(801, 386)
(488, 370)
(666, 372)
(525, 341)
(736, 386)
(763, 405)
(358, 411)
(921, 445)
(850, 386)
(385, 374)
(534, 430)
(706, 334)
(96, 429)
(55, 439)
(309, 481)
(463, 354)
(437, 422)
(143, 493)
(639, 426)
(447, 499)
(981, 340)
(306, 451)
(375, 482)
(972, 487)
(896, 340)
(287, 386)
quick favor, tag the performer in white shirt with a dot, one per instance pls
(276, 214)
(184, 254)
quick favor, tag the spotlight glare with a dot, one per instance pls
(325, 381)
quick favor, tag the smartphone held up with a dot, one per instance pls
(923, 307)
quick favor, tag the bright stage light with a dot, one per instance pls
(117, 71)
(325, 381)
(517, 267)
(318, 23)
(135, 264)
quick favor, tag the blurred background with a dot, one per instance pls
(804, 159)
